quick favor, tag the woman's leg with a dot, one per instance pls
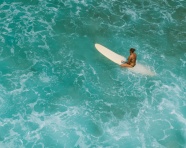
(126, 65)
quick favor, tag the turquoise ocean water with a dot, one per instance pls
(57, 91)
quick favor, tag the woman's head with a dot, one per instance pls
(132, 50)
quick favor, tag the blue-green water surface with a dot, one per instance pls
(57, 91)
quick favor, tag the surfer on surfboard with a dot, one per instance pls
(131, 62)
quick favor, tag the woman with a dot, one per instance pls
(131, 62)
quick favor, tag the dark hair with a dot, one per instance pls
(132, 50)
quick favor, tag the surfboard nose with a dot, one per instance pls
(97, 45)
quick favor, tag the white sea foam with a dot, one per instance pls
(179, 117)
(23, 79)
(132, 13)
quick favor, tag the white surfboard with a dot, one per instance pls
(116, 58)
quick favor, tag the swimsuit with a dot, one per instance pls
(132, 63)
